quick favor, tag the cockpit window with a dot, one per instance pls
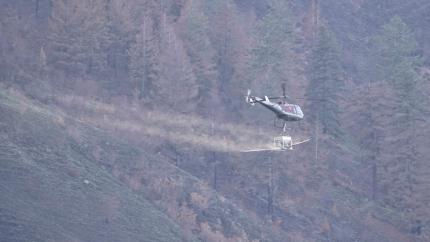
(289, 108)
(299, 111)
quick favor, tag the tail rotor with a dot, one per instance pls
(248, 98)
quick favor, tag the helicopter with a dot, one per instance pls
(284, 111)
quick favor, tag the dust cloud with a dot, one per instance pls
(177, 128)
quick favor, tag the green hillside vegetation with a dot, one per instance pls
(53, 190)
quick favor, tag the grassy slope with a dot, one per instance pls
(51, 190)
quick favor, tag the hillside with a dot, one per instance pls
(52, 190)
(73, 174)
(126, 121)
(62, 176)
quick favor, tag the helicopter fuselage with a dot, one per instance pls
(284, 111)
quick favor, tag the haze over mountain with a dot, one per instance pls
(125, 120)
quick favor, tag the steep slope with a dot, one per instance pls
(289, 192)
(52, 191)
(63, 179)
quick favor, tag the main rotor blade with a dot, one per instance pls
(299, 98)
(259, 150)
(275, 97)
(283, 89)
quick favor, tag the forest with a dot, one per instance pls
(148, 95)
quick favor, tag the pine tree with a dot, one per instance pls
(398, 64)
(120, 30)
(202, 56)
(397, 57)
(370, 106)
(145, 53)
(325, 83)
(74, 41)
(224, 37)
(177, 87)
(137, 62)
(271, 56)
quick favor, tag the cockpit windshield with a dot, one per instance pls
(299, 111)
(292, 108)
(289, 108)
